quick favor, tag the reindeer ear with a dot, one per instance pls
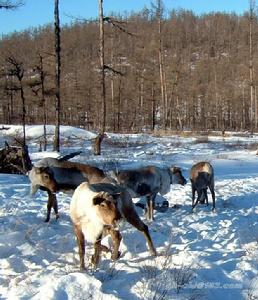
(98, 199)
(41, 170)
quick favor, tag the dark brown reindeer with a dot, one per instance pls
(202, 177)
(53, 175)
(95, 210)
(149, 181)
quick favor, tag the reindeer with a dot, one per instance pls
(95, 210)
(202, 177)
(53, 175)
(149, 181)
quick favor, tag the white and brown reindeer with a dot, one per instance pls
(95, 210)
(149, 181)
(202, 177)
(55, 175)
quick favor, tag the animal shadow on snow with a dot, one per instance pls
(147, 279)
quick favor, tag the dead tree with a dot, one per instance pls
(102, 65)
(38, 88)
(9, 90)
(159, 14)
(17, 70)
(103, 68)
(251, 67)
(57, 77)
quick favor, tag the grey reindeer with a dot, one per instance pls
(149, 181)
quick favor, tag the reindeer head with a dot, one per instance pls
(42, 177)
(107, 210)
(176, 176)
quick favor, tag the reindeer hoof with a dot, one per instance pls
(154, 252)
(162, 207)
(82, 268)
(57, 216)
(115, 256)
(47, 219)
(94, 261)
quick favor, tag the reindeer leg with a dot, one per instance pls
(103, 248)
(206, 197)
(97, 250)
(213, 196)
(116, 238)
(147, 208)
(55, 206)
(132, 218)
(152, 205)
(81, 245)
(49, 205)
(150, 200)
(193, 197)
(194, 204)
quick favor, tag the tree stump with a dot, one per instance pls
(97, 143)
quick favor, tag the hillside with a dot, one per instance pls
(205, 72)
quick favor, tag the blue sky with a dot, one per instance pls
(40, 12)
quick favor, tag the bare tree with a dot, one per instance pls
(10, 4)
(102, 64)
(38, 89)
(43, 99)
(159, 15)
(57, 77)
(251, 67)
(17, 70)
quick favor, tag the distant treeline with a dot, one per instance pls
(187, 72)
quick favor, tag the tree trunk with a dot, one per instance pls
(102, 64)
(42, 83)
(23, 113)
(119, 105)
(251, 70)
(153, 120)
(161, 66)
(57, 78)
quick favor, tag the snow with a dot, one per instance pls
(205, 254)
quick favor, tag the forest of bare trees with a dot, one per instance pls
(163, 71)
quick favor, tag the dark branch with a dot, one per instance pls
(115, 72)
(10, 5)
(17, 69)
(117, 24)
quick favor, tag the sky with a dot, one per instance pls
(40, 12)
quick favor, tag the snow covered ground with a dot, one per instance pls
(201, 255)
